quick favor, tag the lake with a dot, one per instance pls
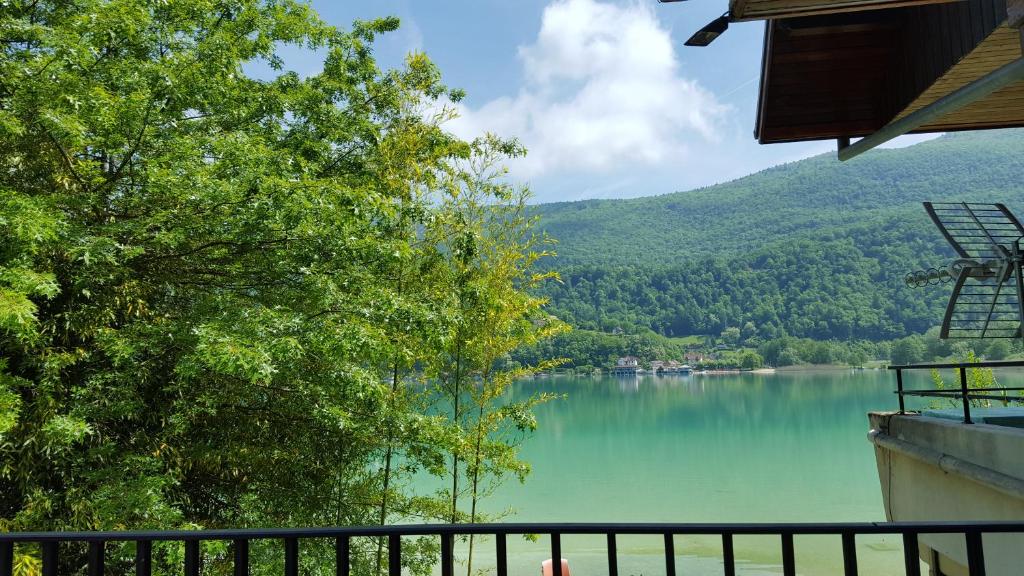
(787, 447)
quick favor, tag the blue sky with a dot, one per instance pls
(602, 92)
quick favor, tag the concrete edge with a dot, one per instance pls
(951, 464)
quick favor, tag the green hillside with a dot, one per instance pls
(815, 248)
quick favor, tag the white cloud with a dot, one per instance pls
(603, 90)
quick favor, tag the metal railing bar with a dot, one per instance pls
(911, 555)
(342, 564)
(993, 397)
(6, 558)
(899, 390)
(788, 557)
(291, 557)
(957, 392)
(849, 554)
(50, 552)
(241, 550)
(972, 396)
(96, 558)
(143, 558)
(613, 556)
(994, 227)
(965, 396)
(1002, 308)
(986, 316)
(975, 554)
(728, 555)
(447, 555)
(986, 364)
(192, 557)
(395, 555)
(501, 550)
(556, 554)
(799, 528)
(670, 555)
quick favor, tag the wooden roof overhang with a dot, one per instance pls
(846, 75)
(741, 10)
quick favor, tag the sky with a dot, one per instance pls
(604, 95)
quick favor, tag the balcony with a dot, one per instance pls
(98, 546)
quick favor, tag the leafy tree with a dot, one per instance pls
(908, 350)
(788, 357)
(488, 250)
(731, 336)
(997, 350)
(213, 289)
(750, 360)
(978, 378)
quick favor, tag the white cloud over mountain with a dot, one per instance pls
(602, 90)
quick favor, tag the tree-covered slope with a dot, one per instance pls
(814, 248)
(792, 200)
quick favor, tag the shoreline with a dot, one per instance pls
(793, 369)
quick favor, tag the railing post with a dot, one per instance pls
(728, 555)
(192, 558)
(670, 555)
(241, 557)
(395, 555)
(849, 554)
(96, 558)
(447, 560)
(966, 398)
(613, 556)
(291, 557)
(341, 556)
(975, 554)
(49, 558)
(143, 558)
(556, 554)
(6, 558)
(502, 553)
(788, 557)
(911, 555)
(899, 389)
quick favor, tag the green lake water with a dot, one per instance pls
(702, 448)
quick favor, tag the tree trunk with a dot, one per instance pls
(388, 455)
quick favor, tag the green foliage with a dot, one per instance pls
(977, 379)
(789, 351)
(216, 292)
(814, 249)
(584, 349)
(909, 350)
(750, 360)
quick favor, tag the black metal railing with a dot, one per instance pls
(964, 393)
(290, 538)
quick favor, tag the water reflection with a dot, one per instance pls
(706, 448)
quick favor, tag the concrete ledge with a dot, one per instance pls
(937, 469)
(951, 464)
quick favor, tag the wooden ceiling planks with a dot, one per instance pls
(822, 74)
(1003, 108)
(741, 10)
(848, 75)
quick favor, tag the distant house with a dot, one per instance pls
(693, 357)
(674, 367)
(626, 366)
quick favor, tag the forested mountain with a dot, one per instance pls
(815, 248)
